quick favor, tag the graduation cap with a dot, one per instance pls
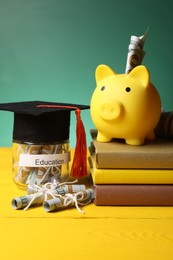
(41, 122)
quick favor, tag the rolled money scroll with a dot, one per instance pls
(135, 52)
(71, 188)
(164, 127)
(35, 199)
(57, 172)
(69, 200)
(24, 172)
(62, 190)
(23, 201)
(54, 204)
(45, 172)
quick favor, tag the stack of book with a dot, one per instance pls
(132, 175)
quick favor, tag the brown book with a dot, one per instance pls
(129, 176)
(117, 154)
(133, 195)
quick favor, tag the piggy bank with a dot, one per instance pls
(125, 106)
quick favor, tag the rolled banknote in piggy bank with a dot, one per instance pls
(125, 106)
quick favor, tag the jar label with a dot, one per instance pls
(43, 160)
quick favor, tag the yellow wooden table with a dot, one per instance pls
(102, 233)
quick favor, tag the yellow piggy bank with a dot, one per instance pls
(125, 106)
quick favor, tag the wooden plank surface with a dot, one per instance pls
(100, 233)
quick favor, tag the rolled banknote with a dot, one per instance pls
(164, 127)
(60, 189)
(135, 52)
(58, 167)
(44, 172)
(34, 199)
(25, 172)
(23, 201)
(54, 204)
(69, 200)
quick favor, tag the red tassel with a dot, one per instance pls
(79, 165)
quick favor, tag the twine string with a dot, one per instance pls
(45, 190)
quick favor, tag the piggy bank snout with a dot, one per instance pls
(110, 111)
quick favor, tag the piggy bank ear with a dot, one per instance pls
(102, 72)
(142, 74)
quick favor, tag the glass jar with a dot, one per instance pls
(40, 163)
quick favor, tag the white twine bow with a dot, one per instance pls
(44, 191)
(70, 200)
(75, 199)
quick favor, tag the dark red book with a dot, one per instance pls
(133, 195)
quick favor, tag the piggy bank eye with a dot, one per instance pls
(128, 89)
(102, 88)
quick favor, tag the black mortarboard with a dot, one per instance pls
(47, 122)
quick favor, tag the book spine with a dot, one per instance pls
(153, 155)
(130, 176)
(133, 195)
(134, 161)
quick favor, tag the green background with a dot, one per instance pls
(49, 50)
